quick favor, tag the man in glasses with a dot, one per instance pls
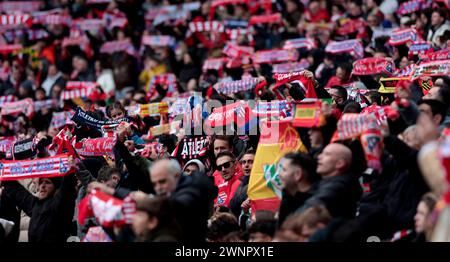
(228, 181)
(239, 200)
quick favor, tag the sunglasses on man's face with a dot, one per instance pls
(224, 165)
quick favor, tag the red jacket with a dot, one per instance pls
(226, 188)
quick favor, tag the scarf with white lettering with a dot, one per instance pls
(274, 56)
(438, 55)
(353, 47)
(207, 26)
(410, 7)
(213, 64)
(89, 24)
(96, 146)
(55, 166)
(60, 119)
(82, 118)
(403, 36)
(45, 104)
(76, 93)
(373, 66)
(281, 108)
(118, 46)
(53, 19)
(306, 83)
(418, 48)
(233, 50)
(32, 34)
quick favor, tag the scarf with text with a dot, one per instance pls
(412, 6)
(438, 55)
(32, 34)
(407, 71)
(297, 43)
(290, 67)
(306, 84)
(233, 87)
(80, 85)
(373, 66)
(53, 19)
(55, 166)
(76, 93)
(89, 24)
(6, 143)
(152, 109)
(389, 85)
(274, 56)
(403, 36)
(280, 108)
(82, 118)
(11, 21)
(418, 48)
(166, 81)
(45, 104)
(432, 68)
(353, 46)
(234, 51)
(308, 114)
(96, 146)
(213, 64)
(25, 106)
(349, 26)
(118, 46)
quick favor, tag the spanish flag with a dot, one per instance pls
(277, 139)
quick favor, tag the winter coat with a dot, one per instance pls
(50, 218)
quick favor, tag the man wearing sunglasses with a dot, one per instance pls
(228, 181)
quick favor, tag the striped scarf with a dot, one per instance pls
(158, 40)
(96, 146)
(20, 6)
(166, 81)
(290, 67)
(79, 41)
(438, 55)
(89, 24)
(76, 93)
(60, 119)
(410, 7)
(53, 19)
(118, 46)
(297, 43)
(418, 48)
(432, 68)
(234, 51)
(15, 20)
(273, 56)
(80, 85)
(152, 109)
(25, 106)
(234, 33)
(6, 143)
(233, 87)
(403, 36)
(45, 104)
(265, 19)
(213, 64)
(55, 166)
(7, 99)
(406, 71)
(207, 26)
(32, 34)
(6, 49)
(353, 46)
(281, 108)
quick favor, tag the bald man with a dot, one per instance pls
(339, 190)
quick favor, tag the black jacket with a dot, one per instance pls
(340, 195)
(289, 204)
(239, 196)
(50, 219)
(191, 203)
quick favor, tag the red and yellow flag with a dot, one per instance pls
(278, 138)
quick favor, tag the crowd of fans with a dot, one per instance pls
(145, 121)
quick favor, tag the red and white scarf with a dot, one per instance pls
(290, 67)
(6, 143)
(297, 43)
(45, 104)
(53, 19)
(158, 40)
(274, 56)
(80, 85)
(20, 6)
(48, 167)
(79, 40)
(350, 26)
(234, 33)
(96, 146)
(234, 51)
(33, 34)
(432, 68)
(353, 46)
(76, 93)
(410, 7)
(373, 66)
(108, 210)
(213, 64)
(25, 106)
(166, 81)
(233, 87)
(406, 71)
(280, 108)
(403, 36)
(15, 20)
(438, 55)
(7, 99)
(265, 19)
(60, 119)
(420, 47)
(118, 46)
(6, 49)
(89, 24)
